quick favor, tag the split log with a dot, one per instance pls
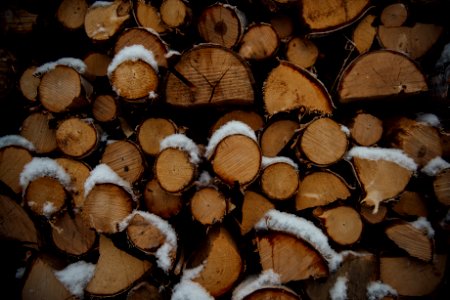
(71, 13)
(289, 87)
(116, 270)
(144, 235)
(378, 74)
(39, 130)
(148, 16)
(366, 129)
(276, 136)
(251, 118)
(152, 131)
(254, 207)
(279, 181)
(373, 218)
(29, 84)
(259, 42)
(105, 108)
(199, 80)
(124, 158)
(45, 196)
(175, 13)
(320, 189)
(411, 277)
(12, 161)
(275, 292)
(283, 25)
(144, 291)
(103, 21)
(77, 137)
(160, 202)
(208, 206)
(78, 172)
(323, 142)
(394, 15)
(364, 34)
(221, 24)
(411, 204)
(96, 64)
(440, 187)
(302, 52)
(174, 170)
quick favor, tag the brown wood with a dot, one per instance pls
(273, 293)
(323, 142)
(105, 108)
(160, 202)
(15, 20)
(96, 64)
(144, 291)
(77, 137)
(320, 189)
(259, 42)
(411, 204)
(12, 162)
(105, 207)
(364, 34)
(254, 207)
(208, 206)
(200, 81)
(29, 84)
(366, 129)
(440, 187)
(78, 172)
(45, 196)
(394, 15)
(379, 74)
(289, 87)
(283, 25)
(124, 158)
(373, 218)
(38, 130)
(174, 170)
(103, 22)
(251, 118)
(71, 13)
(144, 235)
(175, 13)
(290, 257)
(302, 52)
(116, 270)
(279, 181)
(152, 131)
(148, 16)
(276, 136)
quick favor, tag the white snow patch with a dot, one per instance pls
(16, 140)
(230, 128)
(76, 276)
(132, 53)
(164, 254)
(345, 130)
(181, 142)
(254, 283)
(189, 290)
(393, 155)
(339, 289)
(377, 290)
(152, 95)
(429, 119)
(74, 63)
(44, 167)
(102, 173)
(100, 4)
(20, 272)
(423, 224)
(267, 161)
(435, 166)
(48, 209)
(204, 179)
(444, 58)
(302, 229)
(171, 53)
(189, 274)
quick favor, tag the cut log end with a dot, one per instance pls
(279, 181)
(276, 136)
(208, 206)
(151, 132)
(160, 202)
(29, 84)
(260, 41)
(12, 162)
(76, 137)
(45, 196)
(37, 129)
(255, 206)
(366, 129)
(173, 170)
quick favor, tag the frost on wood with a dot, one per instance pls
(16, 140)
(164, 254)
(377, 290)
(48, 209)
(393, 155)
(182, 142)
(204, 179)
(102, 173)
(74, 63)
(101, 4)
(76, 276)
(43, 167)
(171, 53)
(302, 229)
(132, 53)
(434, 166)
(429, 119)
(345, 130)
(254, 283)
(187, 289)
(267, 161)
(423, 224)
(339, 289)
(230, 128)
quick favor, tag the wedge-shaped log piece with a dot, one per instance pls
(255, 206)
(148, 16)
(289, 87)
(364, 34)
(78, 172)
(251, 118)
(29, 84)
(209, 74)
(279, 293)
(378, 74)
(12, 161)
(373, 218)
(441, 187)
(160, 202)
(276, 136)
(144, 290)
(116, 270)
(411, 204)
(37, 129)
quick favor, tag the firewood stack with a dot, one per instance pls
(256, 149)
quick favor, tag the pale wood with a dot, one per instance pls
(12, 162)
(259, 42)
(381, 73)
(29, 84)
(173, 170)
(144, 291)
(71, 13)
(411, 204)
(38, 130)
(77, 137)
(276, 136)
(342, 224)
(364, 34)
(105, 108)
(152, 131)
(116, 270)
(320, 189)
(148, 16)
(254, 207)
(103, 22)
(302, 52)
(411, 277)
(366, 129)
(175, 13)
(289, 87)
(283, 25)
(160, 202)
(279, 181)
(208, 206)
(290, 257)
(222, 262)
(124, 158)
(394, 15)
(373, 218)
(441, 187)
(144, 235)
(237, 158)
(251, 118)
(323, 142)
(96, 64)
(201, 80)
(105, 207)
(72, 236)
(42, 191)
(78, 172)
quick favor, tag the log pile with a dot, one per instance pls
(258, 149)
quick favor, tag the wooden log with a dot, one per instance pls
(175, 13)
(29, 84)
(378, 74)
(440, 187)
(105, 108)
(320, 189)
(251, 118)
(283, 25)
(279, 181)
(394, 15)
(254, 207)
(160, 202)
(208, 206)
(301, 52)
(116, 270)
(276, 136)
(279, 293)
(102, 21)
(373, 218)
(148, 16)
(96, 64)
(45, 196)
(39, 130)
(366, 129)
(77, 137)
(143, 291)
(259, 42)
(289, 87)
(144, 235)
(221, 24)
(364, 34)
(152, 131)
(71, 13)
(323, 142)
(197, 81)
(17, 21)
(411, 204)
(78, 172)
(12, 161)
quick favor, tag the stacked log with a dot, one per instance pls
(225, 150)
